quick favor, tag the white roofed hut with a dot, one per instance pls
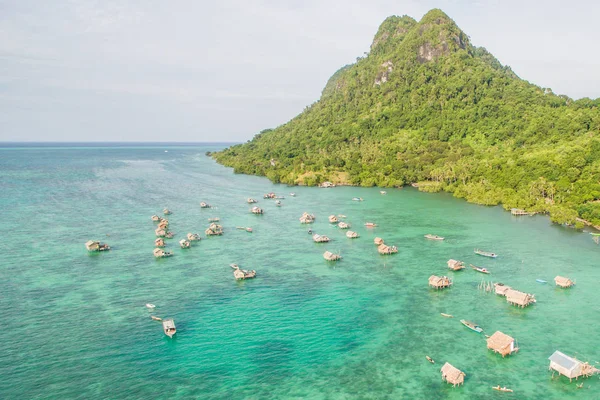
(160, 242)
(307, 218)
(320, 238)
(333, 219)
(160, 253)
(570, 367)
(155, 218)
(385, 249)
(256, 210)
(439, 282)
(563, 282)
(329, 256)
(240, 274)
(193, 237)
(452, 374)
(166, 211)
(502, 344)
(184, 244)
(456, 265)
(519, 299)
(343, 225)
(204, 205)
(378, 241)
(169, 327)
(163, 224)
(160, 232)
(214, 230)
(93, 245)
(500, 289)
(352, 235)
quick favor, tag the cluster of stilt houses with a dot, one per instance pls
(499, 342)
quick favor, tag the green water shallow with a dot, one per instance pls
(75, 325)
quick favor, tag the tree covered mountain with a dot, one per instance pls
(425, 106)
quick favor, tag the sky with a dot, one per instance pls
(221, 71)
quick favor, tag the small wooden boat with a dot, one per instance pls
(310, 231)
(292, 194)
(430, 359)
(370, 224)
(185, 244)
(216, 219)
(156, 318)
(169, 327)
(485, 253)
(150, 306)
(447, 315)
(541, 281)
(250, 200)
(471, 325)
(278, 203)
(341, 216)
(382, 192)
(480, 269)
(357, 199)
(502, 389)
(433, 237)
(204, 205)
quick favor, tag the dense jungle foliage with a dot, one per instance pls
(427, 107)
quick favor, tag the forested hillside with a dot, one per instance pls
(425, 106)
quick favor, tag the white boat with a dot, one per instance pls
(433, 237)
(150, 306)
(169, 327)
(292, 194)
(382, 192)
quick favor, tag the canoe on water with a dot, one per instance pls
(485, 253)
(480, 269)
(430, 359)
(446, 315)
(471, 325)
(502, 389)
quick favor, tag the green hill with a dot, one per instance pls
(425, 106)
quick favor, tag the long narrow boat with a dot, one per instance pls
(433, 237)
(446, 315)
(502, 389)
(480, 269)
(471, 325)
(485, 253)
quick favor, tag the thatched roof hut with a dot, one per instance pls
(307, 218)
(502, 343)
(242, 273)
(160, 242)
(93, 245)
(452, 374)
(193, 237)
(160, 232)
(163, 224)
(378, 241)
(333, 219)
(256, 210)
(563, 282)
(214, 229)
(570, 367)
(519, 299)
(343, 225)
(160, 253)
(501, 289)
(352, 234)
(456, 265)
(320, 238)
(184, 244)
(155, 218)
(439, 282)
(385, 249)
(329, 256)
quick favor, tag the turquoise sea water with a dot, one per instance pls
(75, 325)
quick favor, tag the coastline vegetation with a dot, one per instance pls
(427, 107)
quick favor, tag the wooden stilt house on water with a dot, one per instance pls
(570, 367)
(502, 344)
(329, 256)
(214, 230)
(320, 238)
(343, 225)
(563, 282)
(501, 289)
(160, 242)
(333, 219)
(307, 218)
(378, 241)
(352, 235)
(456, 265)
(519, 299)
(160, 253)
(452, 375)
(385, 249)
(439, 282)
